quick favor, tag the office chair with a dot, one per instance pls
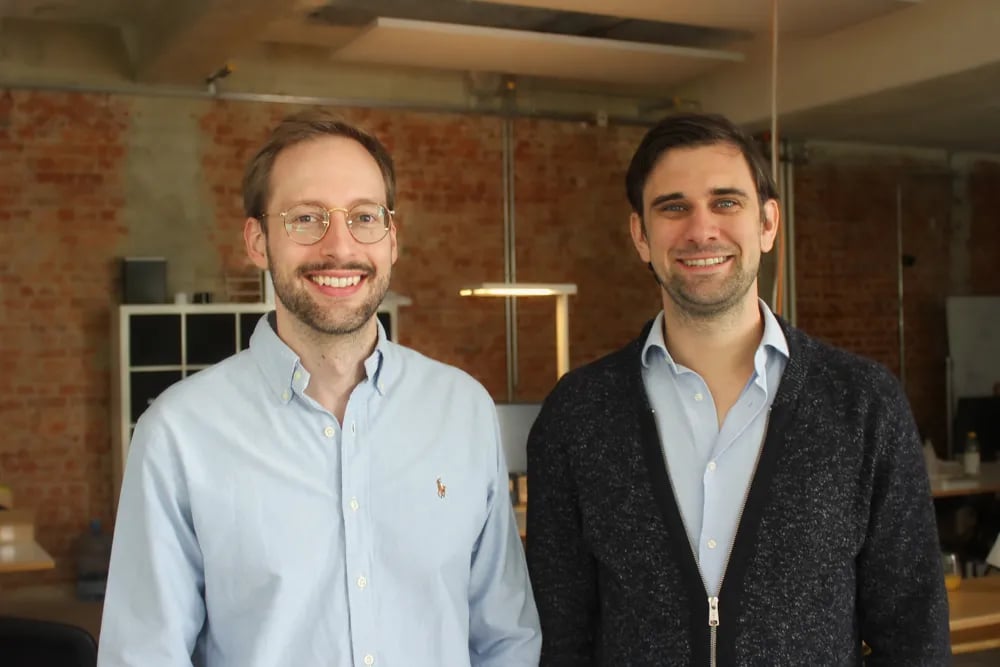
(33, 643)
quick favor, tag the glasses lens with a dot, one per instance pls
(306, 224)
(368, 222)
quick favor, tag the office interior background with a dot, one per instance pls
(125, 127)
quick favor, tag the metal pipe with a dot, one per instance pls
(899, 282)
(779, 269)
(509, 268)
(789, 197)
(311, 100)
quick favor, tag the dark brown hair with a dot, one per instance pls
(690, 130)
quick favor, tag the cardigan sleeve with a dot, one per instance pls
(902, 603)
(563, 571)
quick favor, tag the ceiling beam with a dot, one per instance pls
(928, 41)
(187, 40)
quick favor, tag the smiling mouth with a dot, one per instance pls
(334, 281)
(707, 261)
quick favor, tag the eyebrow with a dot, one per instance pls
(715, 192)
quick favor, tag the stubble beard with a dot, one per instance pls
(700, 304)
(326, 320)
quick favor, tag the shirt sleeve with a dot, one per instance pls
(503, 621)
(154, 606)
(563, 571)
(902, 603)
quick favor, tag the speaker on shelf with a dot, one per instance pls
(144, 280)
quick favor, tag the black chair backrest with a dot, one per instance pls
(28, 642)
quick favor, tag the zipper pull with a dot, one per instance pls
(713, 612)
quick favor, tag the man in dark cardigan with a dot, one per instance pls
(726, 489)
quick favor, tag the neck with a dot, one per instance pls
(335, 362)
(724, 343)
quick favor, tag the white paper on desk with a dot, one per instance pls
(931, 459)
(994, 557)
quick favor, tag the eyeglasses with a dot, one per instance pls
(306, 224)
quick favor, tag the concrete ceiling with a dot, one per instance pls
(913, 72)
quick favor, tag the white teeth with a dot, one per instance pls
(331, 281)
(703, 262)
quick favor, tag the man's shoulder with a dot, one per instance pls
(211, 384)
(614, 374)
(832, 356)
(424, 373)
(822, 362)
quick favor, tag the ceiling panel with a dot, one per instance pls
(457, 47)
(799, 16)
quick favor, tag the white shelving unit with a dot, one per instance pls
(156, 345)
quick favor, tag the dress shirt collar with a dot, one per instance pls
(283, 371)
(773, 338)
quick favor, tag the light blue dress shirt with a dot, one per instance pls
(710, 467)
(254, 531)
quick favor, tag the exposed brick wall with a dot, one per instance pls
(79, 188)
(77, 191)
(572, 226)
(60, 198)
(846, 264)
(984, 237)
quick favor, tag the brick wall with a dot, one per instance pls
(846, 262)
(984, 233)
(60, 201)
(86, 179)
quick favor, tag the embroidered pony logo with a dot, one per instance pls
(442, 489)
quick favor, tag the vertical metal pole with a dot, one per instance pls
(899, 282)
(778, 298)
(789, 197)
(510, 264)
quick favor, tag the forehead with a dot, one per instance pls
(696, 170)
(326, 169)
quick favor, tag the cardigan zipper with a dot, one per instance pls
(713, 600)
(713, 624)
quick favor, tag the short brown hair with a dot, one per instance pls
(295, 129)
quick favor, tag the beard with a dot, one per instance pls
(338, 320)
(702, 297)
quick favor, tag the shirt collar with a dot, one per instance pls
(773, 338)
(283, 371)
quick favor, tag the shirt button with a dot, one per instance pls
(369, 659)
(362, 582)
(354, 504)
(698, 396)
(285, 395)
(297, 375)
(329, 431)
(711, 466)
(353, 428)
(712, 544)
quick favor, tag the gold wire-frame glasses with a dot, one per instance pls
(308, 223)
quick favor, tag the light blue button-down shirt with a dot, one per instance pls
(710, 467)
(254, 531)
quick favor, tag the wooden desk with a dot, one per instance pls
(987, 481)
(974, 615)
(24, 556)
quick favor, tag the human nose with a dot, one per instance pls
(338, 239)
(702, 226)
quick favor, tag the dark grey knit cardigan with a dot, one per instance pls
(836, 544)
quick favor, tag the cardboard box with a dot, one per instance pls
(17, 526)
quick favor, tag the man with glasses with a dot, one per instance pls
(326, 497)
